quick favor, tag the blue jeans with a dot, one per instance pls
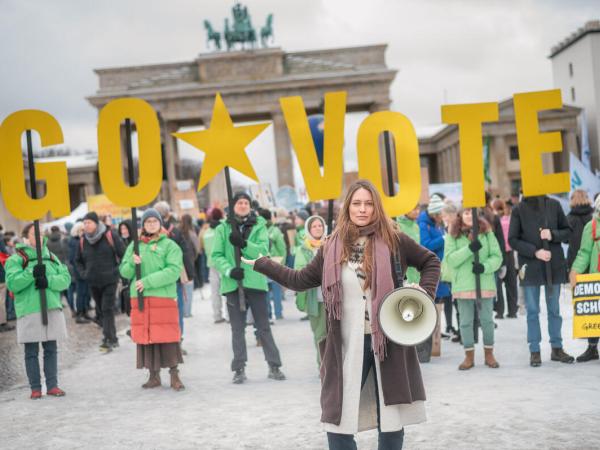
(71, 295)
(32, 364)
(532, 304)
(82, 296)
(180, 305)
(275, 296)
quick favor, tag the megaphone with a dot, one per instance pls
(407, 316)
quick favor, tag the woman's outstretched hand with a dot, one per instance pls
(250, 262)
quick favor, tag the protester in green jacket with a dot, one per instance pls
(246, 232)
(459, 250)
(155, 327)
(586, 261)
(311, 301)
(277, 252)
(25, 278)
(409, 226)
(300, 223)
(214, 277)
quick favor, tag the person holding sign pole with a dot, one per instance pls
(367, 381)
(246, 231)
(155, 329)
(25, 278)
(459, 249)
(587, 260)
(537, 228)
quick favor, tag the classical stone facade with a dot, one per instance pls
(251, 83)
(440, 152)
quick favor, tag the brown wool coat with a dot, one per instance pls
(400, 373)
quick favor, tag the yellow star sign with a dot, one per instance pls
(223, 143)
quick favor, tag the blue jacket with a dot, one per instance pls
(432, 238)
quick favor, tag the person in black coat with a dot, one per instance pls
(538, 226)
(97, 261)
(507, 275)
(580, 214)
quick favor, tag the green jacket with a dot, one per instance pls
(21, 283)
(460, 260)
(298, 240)
(411, 229)
(276, 242)
(208, 239)
(586, 260)
(306, 300)
(223, 256)
(162, 261)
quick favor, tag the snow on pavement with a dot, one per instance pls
(555, 406)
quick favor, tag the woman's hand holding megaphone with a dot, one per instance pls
(416, 286)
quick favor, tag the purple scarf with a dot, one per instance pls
(381, 282)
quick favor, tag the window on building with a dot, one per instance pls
(570, 69)
(515, 187)
(513, 152)
(572, 94)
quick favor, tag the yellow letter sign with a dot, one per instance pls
(110, 163)
(469, 118)
(532, 143)
(12, 176)
(329, 185)
(407, 159)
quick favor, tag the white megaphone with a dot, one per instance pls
(407, 316)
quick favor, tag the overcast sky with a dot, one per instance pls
(445, 50)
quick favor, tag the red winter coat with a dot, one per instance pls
(158, 323)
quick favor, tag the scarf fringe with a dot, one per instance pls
(332, 295)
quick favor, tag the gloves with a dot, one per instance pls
(237, 240)
(478, 268)
(237, 273)
(39, 270)
(475, 246)
(41, 282)
(39, 276)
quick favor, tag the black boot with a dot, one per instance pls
(275, 373)
(590, 354)
(535, 360)
(239, 376)
(558, 354)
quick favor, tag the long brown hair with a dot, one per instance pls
(458, 226)
(348, 232)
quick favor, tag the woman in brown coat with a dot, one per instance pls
(355, 271)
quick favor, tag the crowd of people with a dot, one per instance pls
(250, 254)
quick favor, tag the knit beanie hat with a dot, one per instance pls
(240, 195)
(92, 216)
(151, 212)
(436, 204)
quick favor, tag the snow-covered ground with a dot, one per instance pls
(556, 406)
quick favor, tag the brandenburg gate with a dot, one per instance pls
(251, 83)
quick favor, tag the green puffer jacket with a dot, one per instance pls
(460, 260)
(411, 229)
(276, 242)
(208, 238)
(586, 260)
(304, 302)
(223, 256)
(21, 283)
(162, 261)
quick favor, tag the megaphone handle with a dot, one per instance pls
(398, 271)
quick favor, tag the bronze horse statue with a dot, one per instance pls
(266, 32)
(212, 35)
